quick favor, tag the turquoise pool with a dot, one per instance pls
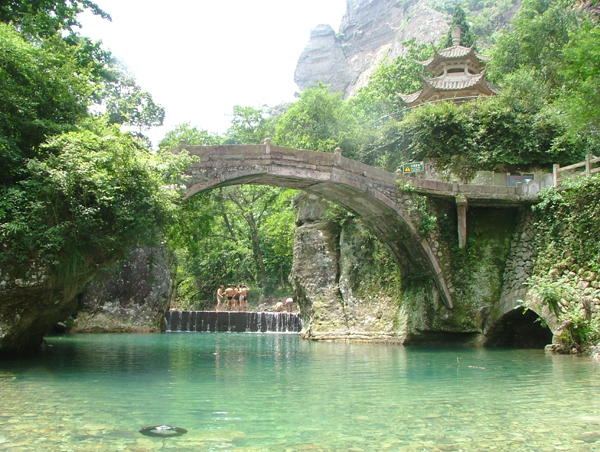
(269, 392)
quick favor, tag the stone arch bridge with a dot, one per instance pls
(370, 193)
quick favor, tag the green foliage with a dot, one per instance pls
(484, 18)
(249, 126)
(406, 187)
(127, 104)
(539, 32)
(484, 135)
(230, 236)
(570, 220)
(579, 328)
(190, 134)
(581, 71)
(45, 18)
(43, 92)
(96, 194)
(568, 242)
(318, 121)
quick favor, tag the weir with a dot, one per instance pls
(232, 322)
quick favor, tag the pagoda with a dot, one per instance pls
(458, 75)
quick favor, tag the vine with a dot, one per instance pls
(418, 208)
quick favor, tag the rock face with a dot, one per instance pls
(338, 284)
(31, 305)
(370, 31)
(132, 295)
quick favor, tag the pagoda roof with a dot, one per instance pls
(450, 84)
(454, 83)
(410, 98)
(450, 53)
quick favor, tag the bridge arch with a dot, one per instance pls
(370, 193)
(519, 328)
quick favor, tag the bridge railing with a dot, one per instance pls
(586, 164)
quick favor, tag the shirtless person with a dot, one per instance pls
(289, 305)
(244, 297)
(219, 297)
(229, 293)
(236, 298)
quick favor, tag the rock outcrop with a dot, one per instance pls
(338, 284)
(132, 295)
(370, 31)
(33, 302)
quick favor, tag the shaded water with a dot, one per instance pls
(268, 392)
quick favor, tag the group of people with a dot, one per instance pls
(289, 303)
(235, 298)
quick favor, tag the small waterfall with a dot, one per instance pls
(232, 322)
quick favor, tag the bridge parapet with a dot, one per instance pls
(214, 156)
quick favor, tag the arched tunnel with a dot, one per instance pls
(519, 328)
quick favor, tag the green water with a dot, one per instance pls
(252, 392)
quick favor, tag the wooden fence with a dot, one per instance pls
(587, 165)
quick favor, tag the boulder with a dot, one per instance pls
(132, 295)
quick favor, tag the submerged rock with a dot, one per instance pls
(163, 431)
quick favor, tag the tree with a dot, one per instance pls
(249, 125)
(581, 71)
(94, 194)
(127, 104)
(45, 18)
(318, 121)
(190, 134)
(43, 92)
(540, 30)
(379, 99)
(233, 235)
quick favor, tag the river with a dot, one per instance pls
(276, 392)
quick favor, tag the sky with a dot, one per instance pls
(199, 58)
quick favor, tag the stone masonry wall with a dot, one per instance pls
(519, 266)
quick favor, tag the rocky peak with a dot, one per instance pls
(370, 31)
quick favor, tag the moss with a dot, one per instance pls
(481, 263)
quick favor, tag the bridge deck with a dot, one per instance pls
(219, 156)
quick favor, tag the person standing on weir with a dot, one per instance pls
(244, 297)
(219, 297)
(229, 292)
(236, 298)
(289, 305)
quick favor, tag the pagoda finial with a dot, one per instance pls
(456, 31)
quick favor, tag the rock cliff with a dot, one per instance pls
(370, 31)
(131, 295)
